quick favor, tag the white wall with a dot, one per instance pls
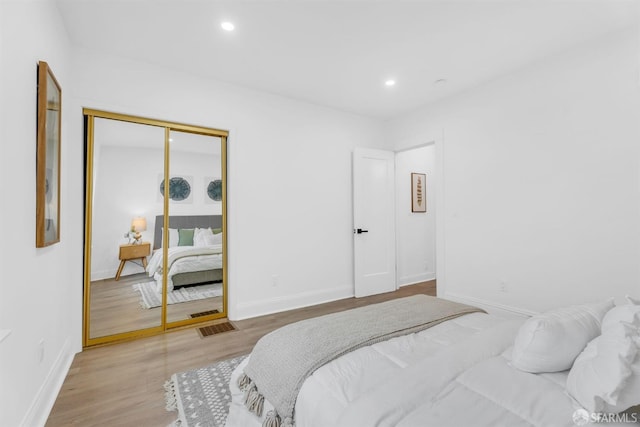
(541, 179)
(415, 231)
(40, 289)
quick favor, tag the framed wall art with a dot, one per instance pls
(48, 157)
(418, 192)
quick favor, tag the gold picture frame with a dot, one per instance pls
(418, 192)
(48, 157)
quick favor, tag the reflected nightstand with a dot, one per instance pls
(130, 252)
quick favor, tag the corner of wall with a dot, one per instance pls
(490, 307)
(250, 309)
(44, 400)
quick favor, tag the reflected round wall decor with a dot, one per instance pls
(214, 190)
(179, 188)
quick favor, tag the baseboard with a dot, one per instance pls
(416, 278)
(128, 269)
(490, 306)
(103, 274)
(290, 302)
(45, 398)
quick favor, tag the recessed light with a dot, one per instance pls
(228, 26)
(390, 82)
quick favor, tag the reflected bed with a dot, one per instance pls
(189, 263)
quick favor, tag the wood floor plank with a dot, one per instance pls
(122, 384)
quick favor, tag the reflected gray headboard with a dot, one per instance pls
(186, 221)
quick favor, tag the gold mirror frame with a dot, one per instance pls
(48, 158)
(89, 116)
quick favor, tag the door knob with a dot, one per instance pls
(360, 231)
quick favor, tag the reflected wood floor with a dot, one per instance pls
(122, 384)
(115, 307)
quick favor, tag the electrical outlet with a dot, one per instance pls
(274, 280)
(41, 351)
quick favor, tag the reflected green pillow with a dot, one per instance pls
(185, 237)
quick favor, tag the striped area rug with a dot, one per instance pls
(149, 298)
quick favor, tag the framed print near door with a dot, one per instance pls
(48, 158)
(418, 192)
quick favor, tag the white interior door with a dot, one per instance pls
(373, 221)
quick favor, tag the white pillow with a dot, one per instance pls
(200, 236)
(606, 375)
(196, 231)
(206, 237)
(632, 300)
(173, 237)
(628, 313)
(551, 341)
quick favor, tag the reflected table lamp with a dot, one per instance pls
(138, 224)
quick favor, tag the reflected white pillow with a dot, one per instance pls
(551, 341)
(173, 237)
(196, 232)
(206, 237)
(606, 375)
(201, 236)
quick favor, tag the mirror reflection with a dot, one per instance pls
(127, 158)
(194, 260)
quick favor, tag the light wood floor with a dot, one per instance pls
(122, 384)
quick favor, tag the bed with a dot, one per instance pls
(473, 369)
(189, 263)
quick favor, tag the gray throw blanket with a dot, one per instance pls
(282, 360)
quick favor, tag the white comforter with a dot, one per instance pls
(184, 259)
(454, 374)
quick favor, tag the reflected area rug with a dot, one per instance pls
(149, 298)
(201, 396)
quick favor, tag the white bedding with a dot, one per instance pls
(184, 259)
(456, 373)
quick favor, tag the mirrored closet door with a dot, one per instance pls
(197, 199)
(155, 241)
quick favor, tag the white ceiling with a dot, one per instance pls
(339, 53)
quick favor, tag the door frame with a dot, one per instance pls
(439, 178)
(431, 177)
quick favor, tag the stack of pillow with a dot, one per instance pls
(599, 343)
(206, 237)
(194, 236)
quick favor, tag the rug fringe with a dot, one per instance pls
(243, 382)
(170, 398)
(272, 420)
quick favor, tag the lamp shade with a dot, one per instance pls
(139, 223)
